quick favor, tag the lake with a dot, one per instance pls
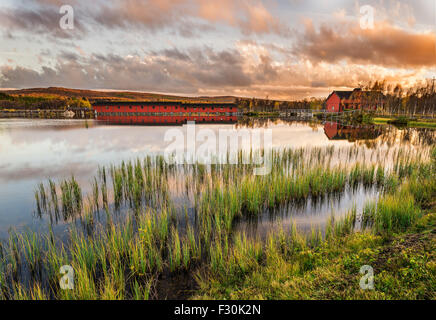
(32, 151)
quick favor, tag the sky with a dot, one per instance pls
(280, 49)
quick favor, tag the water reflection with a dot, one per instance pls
(337, 131)
(31, 151)
(313, 213)
(170, 119)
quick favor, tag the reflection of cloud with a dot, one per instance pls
(4, 166)
(29, 172)
(39, 151)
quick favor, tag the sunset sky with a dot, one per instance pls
(283, 49)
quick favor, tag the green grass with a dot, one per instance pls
(284, 268)
(412, 123)
(381, 120)
(261, 114)
(125, 255)
(422, 124)
(397, 239)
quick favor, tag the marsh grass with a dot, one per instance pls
(392, 212)
(144, 234)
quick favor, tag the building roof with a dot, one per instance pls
(341, 94)
(346, 95)
(164, 103)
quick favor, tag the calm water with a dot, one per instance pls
(31, 151)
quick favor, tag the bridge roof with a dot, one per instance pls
(163, 103)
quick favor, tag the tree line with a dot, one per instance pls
(389, 98)
(27, 102)
(416, 100)
(267, 105)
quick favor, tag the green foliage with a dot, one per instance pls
(330, 270)
(78, 103)
(368, 117)
(5, 96)
(400, 121)
(124, 257)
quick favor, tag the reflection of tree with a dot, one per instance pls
(313, 125)
(337, 131)
(373, 136)
(370, 144)
(262, 105)
(253, 123)
(410, 136)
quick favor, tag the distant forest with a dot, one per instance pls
(420, 99)
(29, 102)
(266, 105)
(417, 100)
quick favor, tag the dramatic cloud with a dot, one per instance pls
(152, 14)
(228, 47)
(170, 70)
(243, 71)
(41, 20)
(384, 45)
(250, 17)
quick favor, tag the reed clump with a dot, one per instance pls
(143, 234)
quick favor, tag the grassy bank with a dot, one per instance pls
(412, 123)
(400, 246)
(262, 114)
(404, 268)
(128, 238)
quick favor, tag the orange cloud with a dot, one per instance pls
(384, 45)
(248, 16)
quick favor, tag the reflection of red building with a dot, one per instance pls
(164, 112)
(339, 101)
(336, 131)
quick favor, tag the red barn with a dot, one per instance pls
(338, 101)
(160, 112)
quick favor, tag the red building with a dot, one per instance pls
(336, 131)
(338, 101)
(149, 112)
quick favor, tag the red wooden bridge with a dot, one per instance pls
(159, 112)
